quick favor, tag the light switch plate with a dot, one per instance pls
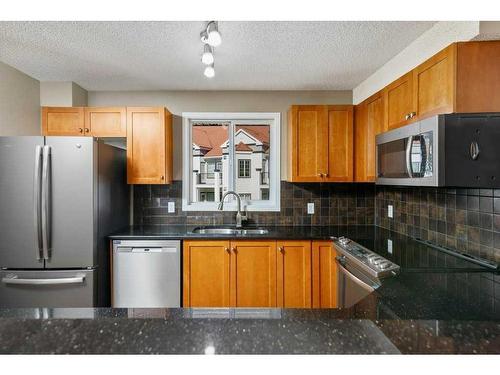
(310, 208)
(390, 211)
(171, 207)
(389, 246)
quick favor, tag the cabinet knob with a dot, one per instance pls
(320, 174)
(326, 174)
(227, 250)
(234, 250)
(80, 130)
(282, 250)
(413, 114)
(162, 177)
(407, 117)
(86, 130)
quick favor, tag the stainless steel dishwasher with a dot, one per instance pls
(146, 273)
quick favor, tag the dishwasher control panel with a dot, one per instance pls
(371, 262)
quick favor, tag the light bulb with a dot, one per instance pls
(214, 38)
(209, 71)
(208, 57)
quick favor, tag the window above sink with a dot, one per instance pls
(231, 152)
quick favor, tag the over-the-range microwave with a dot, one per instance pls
(455, 150)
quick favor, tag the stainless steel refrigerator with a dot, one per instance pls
(59, 199)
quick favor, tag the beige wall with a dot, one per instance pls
(19, 103)
(219, 101)
(62, 94)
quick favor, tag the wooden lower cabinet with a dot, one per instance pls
(206, 267)
(294, 274)
(290, 274)
(325, 275)
(253, 276)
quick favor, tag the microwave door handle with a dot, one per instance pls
(425, 151)
(408, 156)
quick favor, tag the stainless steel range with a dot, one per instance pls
(361, 271)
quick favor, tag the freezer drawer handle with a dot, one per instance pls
(57, 281)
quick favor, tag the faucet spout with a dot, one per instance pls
(239, 216)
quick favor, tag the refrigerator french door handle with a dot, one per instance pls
(46, 203)
(37, 189)
(55, 281)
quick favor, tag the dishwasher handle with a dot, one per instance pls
(146, 250)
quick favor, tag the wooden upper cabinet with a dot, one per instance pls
(106, 121)
(294, 275)
(434, 83)
(369, 121)
(320, 142)
(206, 268)
(149, 145)
(308, 142)
(340, 144)
(253, 274)
(325, 273)
(68, 121)
(399, 101)
(478, 76)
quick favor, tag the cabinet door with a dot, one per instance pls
(206, 266)
(149, 147)
(375, 125)
(253, 274)
(434, 83)
(369, 121)
(67, 121)
(325, 274)
(308, 143)
(106, 121)
(399, 100)
(294, 278)
(340, 144)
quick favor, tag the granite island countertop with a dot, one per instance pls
(236, 331)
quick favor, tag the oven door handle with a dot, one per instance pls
(358, 281)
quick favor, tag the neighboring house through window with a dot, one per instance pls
(231, 152)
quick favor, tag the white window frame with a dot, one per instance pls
(273, 118)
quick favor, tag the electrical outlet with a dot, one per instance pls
(171, 207)
(390, 211)
(310, 208)
(389, 246)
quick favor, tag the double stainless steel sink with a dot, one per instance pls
(230, 231)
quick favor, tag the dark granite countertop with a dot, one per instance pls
(226, 331)
(275, 232)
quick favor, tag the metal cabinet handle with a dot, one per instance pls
(474, 150)
(56, 281)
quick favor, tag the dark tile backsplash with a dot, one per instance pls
(334, 204)
(467, 220)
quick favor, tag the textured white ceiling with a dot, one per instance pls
(166, 55)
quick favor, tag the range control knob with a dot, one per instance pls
(384, 265)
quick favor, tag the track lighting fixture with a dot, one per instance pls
(211, 35)
(209, 71)
(208, 56)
